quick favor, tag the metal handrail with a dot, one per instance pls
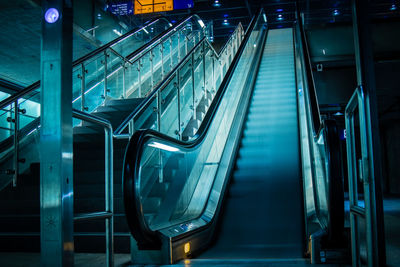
(171, 75)
(143, 50)
(79, 61)
(316, 117)
(115, 41)
(108, 214)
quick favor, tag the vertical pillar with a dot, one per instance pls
(366, 78)
(56, 180)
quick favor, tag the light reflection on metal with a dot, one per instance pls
(164, 147)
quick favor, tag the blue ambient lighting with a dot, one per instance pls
(216, 3)
(336, 12)
(279, 10)
(51, 15)
(393, 7)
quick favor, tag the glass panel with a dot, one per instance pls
(115, 76)
(186, 94)
(132, 80)
(157, 65)
(146, 75)
(169, 109)
(76, 88)
(167, 56)
(147, 117)
(198, 76)
(94, 82)
(209, 68)
(175, 49)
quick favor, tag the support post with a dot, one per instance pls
(366, 79)
(56, 180)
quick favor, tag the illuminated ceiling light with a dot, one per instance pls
(280, 17)
(144, 29)
(51, 15)
(163, 147)
(393, 7)
(336, 12)
(279, 10)
(265, 17)
(216, 3)
(225, 22)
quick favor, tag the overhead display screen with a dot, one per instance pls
(151, 6)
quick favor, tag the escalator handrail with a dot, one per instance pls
(316, 117)
(166, 80)
(133, 210)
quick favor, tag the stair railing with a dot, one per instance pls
(115, 67)
(183, 80)
(108, 214)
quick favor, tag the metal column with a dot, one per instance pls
(366, 80)
(56, 150)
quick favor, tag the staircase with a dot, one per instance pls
(20, 206)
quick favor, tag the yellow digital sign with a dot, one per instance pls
(150, 6)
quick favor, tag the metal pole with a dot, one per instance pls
(56, 146)
(178, 87)
(170, 55)
(162, 61)
(151, 70)
(105, 75)
(179, 47)
(16, 143)
(123, 79)
(193, 86)
(366, 79)
(83, 87)
(204, 70)
(109, 196)
(139, 78)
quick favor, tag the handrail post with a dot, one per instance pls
(109, 195)
(139, 77)
(204, 70)
(170, 54)
(83, 87)
(151, 70)
(16, 144)
(162, 60)
(193, 85)
(178, 88)
(124, 79)
(105, 74)
(179, 46)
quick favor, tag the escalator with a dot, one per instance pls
(266, 190)
(256, 180)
